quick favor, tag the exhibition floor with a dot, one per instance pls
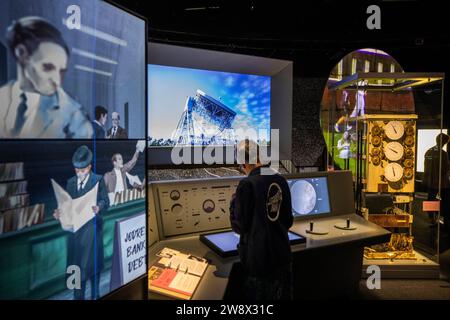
(391, 289)
(394, 289)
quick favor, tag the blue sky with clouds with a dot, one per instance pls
(169, 87)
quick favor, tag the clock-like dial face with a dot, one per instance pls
(177, 209)
(393, 151)
(394, 130)
(209, 206)
(393, 172)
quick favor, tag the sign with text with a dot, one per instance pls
(129, 255)
(430, 206)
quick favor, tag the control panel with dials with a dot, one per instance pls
(194, 206)
(391, 150)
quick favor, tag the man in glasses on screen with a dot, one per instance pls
(35, 105)
(116, 131)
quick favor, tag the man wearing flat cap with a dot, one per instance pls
(85, 246)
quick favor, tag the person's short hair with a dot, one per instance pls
(445, 139)
(114, 157)
(30, 32)
(248, 148)
(99, 112)
(116, 113)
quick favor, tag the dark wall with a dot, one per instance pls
(2, 64)
(315, 36)
(306, 129)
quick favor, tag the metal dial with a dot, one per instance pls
(409, 141)
(409, 173)
(175, 195)
(209, 206)
(409, 130)
(393, 151)
(376, 161)
(409, 163)
(376, 130)
(376, 151)
(394, 130)
(393, 172)
(376, 141)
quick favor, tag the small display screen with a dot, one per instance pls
(225, 243)
(309, 196)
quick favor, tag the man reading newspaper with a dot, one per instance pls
(85, 245)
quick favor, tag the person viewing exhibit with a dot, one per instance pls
(261, 213)
(437, 183)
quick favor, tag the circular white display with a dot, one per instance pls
(394, 130)
(177, 209)
(209, 206)
(393, 151)
(393, 172)
(304, 197)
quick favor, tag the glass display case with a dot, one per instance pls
(390, 138)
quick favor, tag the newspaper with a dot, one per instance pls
(75, 213)
(140, 145)
(133, 179)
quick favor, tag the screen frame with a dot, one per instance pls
(323, 214)
(309, 175)
(134, 283)
(281, 99)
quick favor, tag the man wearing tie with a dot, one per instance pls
(116, 131)
(35, 104)
(85, 247)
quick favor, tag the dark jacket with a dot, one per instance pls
(433, 157)
(85, 247)
(121, 133)
(99, 131)
(261, 212)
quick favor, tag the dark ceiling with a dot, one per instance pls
(320, 30)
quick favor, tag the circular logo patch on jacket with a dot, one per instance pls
(273, 202)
